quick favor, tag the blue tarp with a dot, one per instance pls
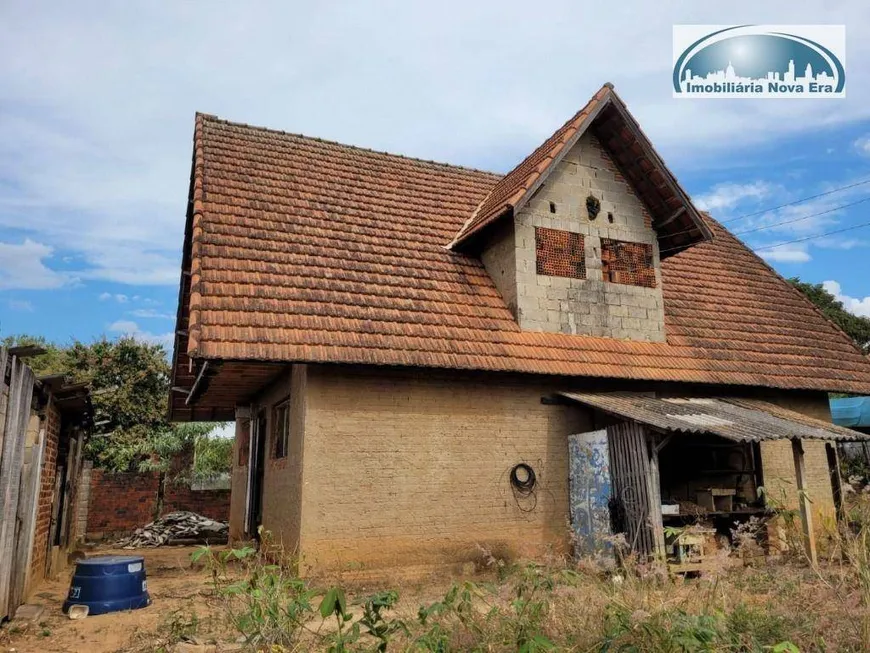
(853, 412)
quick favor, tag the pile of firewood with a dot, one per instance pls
(177, 528)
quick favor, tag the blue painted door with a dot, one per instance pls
(590, 490)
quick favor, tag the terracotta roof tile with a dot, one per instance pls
(306, 250)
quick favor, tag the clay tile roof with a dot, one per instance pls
(299, 249)
(674, 217)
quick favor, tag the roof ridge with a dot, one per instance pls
(215, 119)
(521, 177)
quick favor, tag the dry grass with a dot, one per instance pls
(780, 605)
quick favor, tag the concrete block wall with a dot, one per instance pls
(589, 306)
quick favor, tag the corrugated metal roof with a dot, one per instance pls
(744, 420)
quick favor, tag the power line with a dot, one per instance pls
(806, 238)
(776, 224)
(799, 240)
(805, 217)
(800, 201)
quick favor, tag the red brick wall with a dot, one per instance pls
(211, 503)
(627, 263)
(121, 503)
(559, 253)
(46, 493)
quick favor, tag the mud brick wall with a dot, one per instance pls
(412, 470)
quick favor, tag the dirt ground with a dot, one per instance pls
(177, 590)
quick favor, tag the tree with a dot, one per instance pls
(857, 327)
(211, 455)
(129, 383)
(51, 362)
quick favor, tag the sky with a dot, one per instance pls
(97, 103)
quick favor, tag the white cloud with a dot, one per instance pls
(98, 99)
(22, 267)
(796, 253)
(132, 329)
(862, 144)
(118, 297)
(728, 195)
(150, 313)
(839, 242)
(852, 304)
(21, 305)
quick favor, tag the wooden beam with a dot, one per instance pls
(191, 396)
(676, 214)
(800, 472)
(836, 479)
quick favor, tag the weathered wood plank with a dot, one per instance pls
(28, 503)
(17, 416)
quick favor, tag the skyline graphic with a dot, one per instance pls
(729, 74)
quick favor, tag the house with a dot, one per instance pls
(409, 348)
(44, 422)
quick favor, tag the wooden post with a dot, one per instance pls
(655, 498)
(804, 502)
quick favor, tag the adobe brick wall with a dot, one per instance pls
(777, 461)
(46, 494)
(282, 482)
(412, 469)
(392, 468)
(631, 308)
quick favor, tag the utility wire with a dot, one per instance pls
(806, 238)
(800, 201)
(776, 224)
(805, 217)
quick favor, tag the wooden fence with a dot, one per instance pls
(20, 470)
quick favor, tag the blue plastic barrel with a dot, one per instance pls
(109, 584)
